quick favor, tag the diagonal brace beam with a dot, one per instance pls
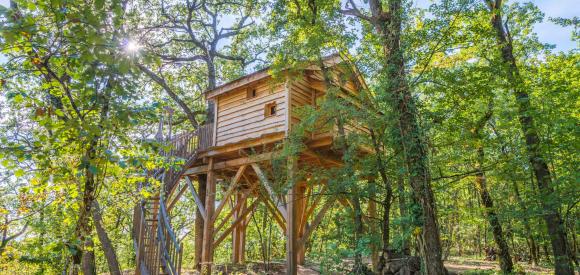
(231, 213)
(237, 221)
(196, 198)
(231, 188)
(266, 183)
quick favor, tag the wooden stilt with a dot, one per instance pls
(235, 238)
(238, 233)
(207, 253)
(199, 221)
(243, 240)
(301, 201)
(291, 264)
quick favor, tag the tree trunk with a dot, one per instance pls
(410, 135)
(211, 74)
(372, 210)
(83, 229)
(405, 247)
(505, 260)
(388, 192)
(108, 249)
(552, 217)
(88, 262)
(359, 267)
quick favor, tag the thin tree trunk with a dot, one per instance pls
(506, 263)
(388, 192)
(505, 260)
(108, 249)
(372, 210)
(211, 73)
(562, 261)
(359, 267)
(83, 230)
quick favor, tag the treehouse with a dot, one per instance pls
(229, 167)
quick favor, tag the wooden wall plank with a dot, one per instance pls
(242, 118)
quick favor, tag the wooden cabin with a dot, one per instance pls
(257, 110)
(229, 158)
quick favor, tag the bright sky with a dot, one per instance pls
(547, 32)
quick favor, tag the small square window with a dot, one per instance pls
(270, 109)
(251, 93)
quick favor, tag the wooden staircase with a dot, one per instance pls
(158, 250)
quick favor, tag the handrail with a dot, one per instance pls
(165, 217)
(172, 250)
(186, 143)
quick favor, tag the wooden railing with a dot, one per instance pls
(171, 250)
(205, 136)
(185, 144)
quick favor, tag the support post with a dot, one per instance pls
(238, 235)
(243, 240)
(207, 253)
(300, 205)
(291, 242)
(199, 221)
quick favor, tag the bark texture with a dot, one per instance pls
(88, 261)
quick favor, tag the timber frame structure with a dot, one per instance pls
(231, 156)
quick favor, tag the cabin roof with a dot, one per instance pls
(330, 61)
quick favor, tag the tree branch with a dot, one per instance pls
(159, 80)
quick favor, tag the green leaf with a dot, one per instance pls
(19, 173)
(124, 66)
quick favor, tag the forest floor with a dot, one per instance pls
(455, 265)
(458, 265)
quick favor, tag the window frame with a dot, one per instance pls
(251, 93)
(268, 109)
